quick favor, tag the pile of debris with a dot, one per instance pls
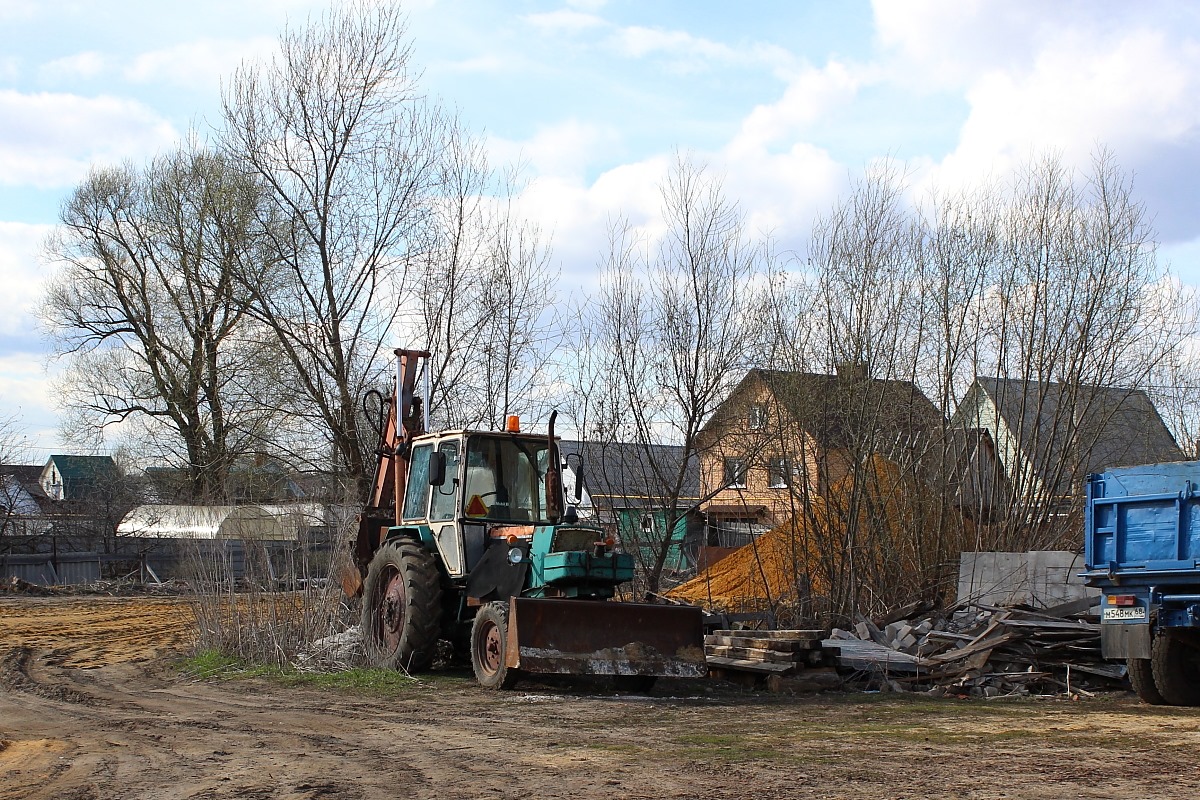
(983, 651)
(15, 585)
(122, 587)
(780, 660)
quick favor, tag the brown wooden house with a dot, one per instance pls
(782, 437)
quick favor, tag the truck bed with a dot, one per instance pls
(1142, 523)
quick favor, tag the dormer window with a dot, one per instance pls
(758, 417)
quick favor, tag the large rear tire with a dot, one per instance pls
(1176, 664)
(1141, 675)
(402, 608)
(489, 647)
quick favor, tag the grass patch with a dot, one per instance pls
(215, 665)
(729, 747)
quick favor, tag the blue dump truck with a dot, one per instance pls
(1142, 550)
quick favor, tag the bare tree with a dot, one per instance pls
(675, 324)
(1048, 287)
(520, 328)
(1078, 311)
(335, 128)
(147, 312)
(14, 503)
(485, 293)
(13, 443)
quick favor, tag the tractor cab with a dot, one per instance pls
(461, 485)
(478, 499)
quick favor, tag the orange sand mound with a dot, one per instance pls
(870, 523)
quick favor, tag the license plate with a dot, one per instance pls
(1132, 612)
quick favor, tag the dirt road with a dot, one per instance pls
(90, 708)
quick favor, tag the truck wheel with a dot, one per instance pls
(489, 647)
(402, 608)
(1141, 675)
(1176, 663)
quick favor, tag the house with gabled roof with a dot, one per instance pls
(637, 491)
(782, 437)
(71, 478)
(24, 506)
(1049, 436)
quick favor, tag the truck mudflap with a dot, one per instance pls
(590, 637)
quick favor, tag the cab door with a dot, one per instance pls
(444, 503)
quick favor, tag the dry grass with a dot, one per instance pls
(271, 613)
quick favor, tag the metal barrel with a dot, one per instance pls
(589, 637)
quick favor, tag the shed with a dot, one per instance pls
(254, 522)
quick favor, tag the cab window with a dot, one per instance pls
(443, 504)
(416, 497)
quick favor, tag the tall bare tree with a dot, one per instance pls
(147, 311)
(335, 127)
(1077, 305)
(1048, 286)
(485, 292)
(675, 322)
(12, 439)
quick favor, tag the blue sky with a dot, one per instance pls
(786, 99)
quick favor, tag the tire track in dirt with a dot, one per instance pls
(71, 726)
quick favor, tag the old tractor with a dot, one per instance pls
(470, 537)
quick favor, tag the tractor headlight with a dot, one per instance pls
(515, 555)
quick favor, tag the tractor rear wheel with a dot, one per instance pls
(1141, 675)
(489, 647)
(402, 607)
(1176, 664)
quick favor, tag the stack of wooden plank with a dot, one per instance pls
(794, 658)
(989, 651)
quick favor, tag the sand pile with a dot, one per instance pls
(873, 526)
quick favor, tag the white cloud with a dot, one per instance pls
(49, 140)
(564, 149)
(565, 20)
(18, 9)
(26, 393)
(948, 43)
(10, 69)
(686, 53)
(197, 64)
(22, 274)
(782, 193)
(23, 382)
(81, 65)
(1133, 95)
(638, 42)
(809, 95)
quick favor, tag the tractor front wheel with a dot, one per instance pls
(489, 647)
(402, 607)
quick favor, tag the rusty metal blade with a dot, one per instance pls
(582, 637)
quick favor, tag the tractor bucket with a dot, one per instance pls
(589, 637)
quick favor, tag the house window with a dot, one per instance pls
(777, 473)
(758, 417)
(735, 473)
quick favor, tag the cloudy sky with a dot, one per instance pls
(788, 100)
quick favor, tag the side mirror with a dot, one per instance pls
(574, 462)
(437, 468)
